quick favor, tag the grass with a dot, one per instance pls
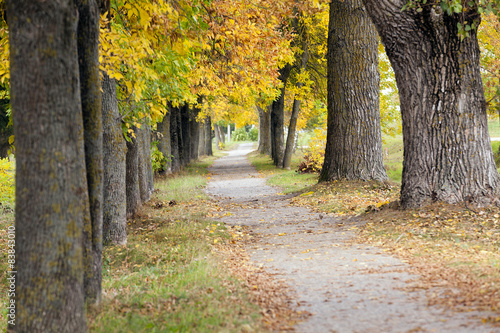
(494, 128)
(167, 278)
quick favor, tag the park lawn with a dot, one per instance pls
(454, 247)
(180, 270)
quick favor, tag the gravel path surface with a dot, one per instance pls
(346, 288)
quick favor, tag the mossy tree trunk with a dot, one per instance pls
(164, 143)
(115, 150)
(132, 176)
(264, 130)
(208, 136)
(354, 141)
(90, 84)
(447, 150)
(176, 138)
(51, 185)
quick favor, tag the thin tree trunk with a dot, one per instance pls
(186, 136)
(149, 162)
(222, 135)
(264, 131)
(354, 141)
(201, 143)
(51, 184)
(217, 137)
(176, 138)
(90, 85)
(447, 149)
(194, 130)
(292, 127)
(143, 156)
(165, 144)
(277, 120)
(208, 136)
(132, 176)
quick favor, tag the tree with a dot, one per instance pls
(354, 142)
(88, 60)
(447, 150)
(51, 202)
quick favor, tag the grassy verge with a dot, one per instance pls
(169, 277)
(453, 247)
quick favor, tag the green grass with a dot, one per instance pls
(494, 127)
(288, 180)
(167, 278)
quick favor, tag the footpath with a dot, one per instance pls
(346, 287)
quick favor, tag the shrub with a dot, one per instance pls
(240, 135)
(253, 134)
(314, 158)
(7, 184)
(157, 159)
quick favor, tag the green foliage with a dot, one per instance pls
(7, 184)
(240, 135)
(157, 158)
(253, 134)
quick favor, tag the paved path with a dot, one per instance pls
(347, 288)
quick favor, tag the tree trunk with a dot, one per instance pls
(447, 149)
(164, 143)
(132, 176)
(194, 130)
(292, 127)
(201, 144)
(176, 138)
(51, 185)
(208, 136)
(115, 149)
(143, 162)
(264, 131)
(222, 135)
(90, 85)
(277, 120)
(186, 136)
(354, 142)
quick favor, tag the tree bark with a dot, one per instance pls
(264, 131)
(354, 142)
(165, 144)
(201, 143)
(208, 136)
(176, 138)
(186, 136)
(51, 186)
(447, 149)
(277, 120)
(90, 85)
(292, 127)
(194, 130)
(132, 176)
(144, 161)
(115, 149)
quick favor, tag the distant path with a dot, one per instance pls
(346, 288)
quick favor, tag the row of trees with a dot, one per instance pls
(90, 80)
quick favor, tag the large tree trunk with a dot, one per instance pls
(208, 136)
(51, 185)
(176, 138)
(264, 130)
(132, 176)
(165, 144)
(353, 142)
(447, 150)
(90, 85)
(115, 150)
(277, 120)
